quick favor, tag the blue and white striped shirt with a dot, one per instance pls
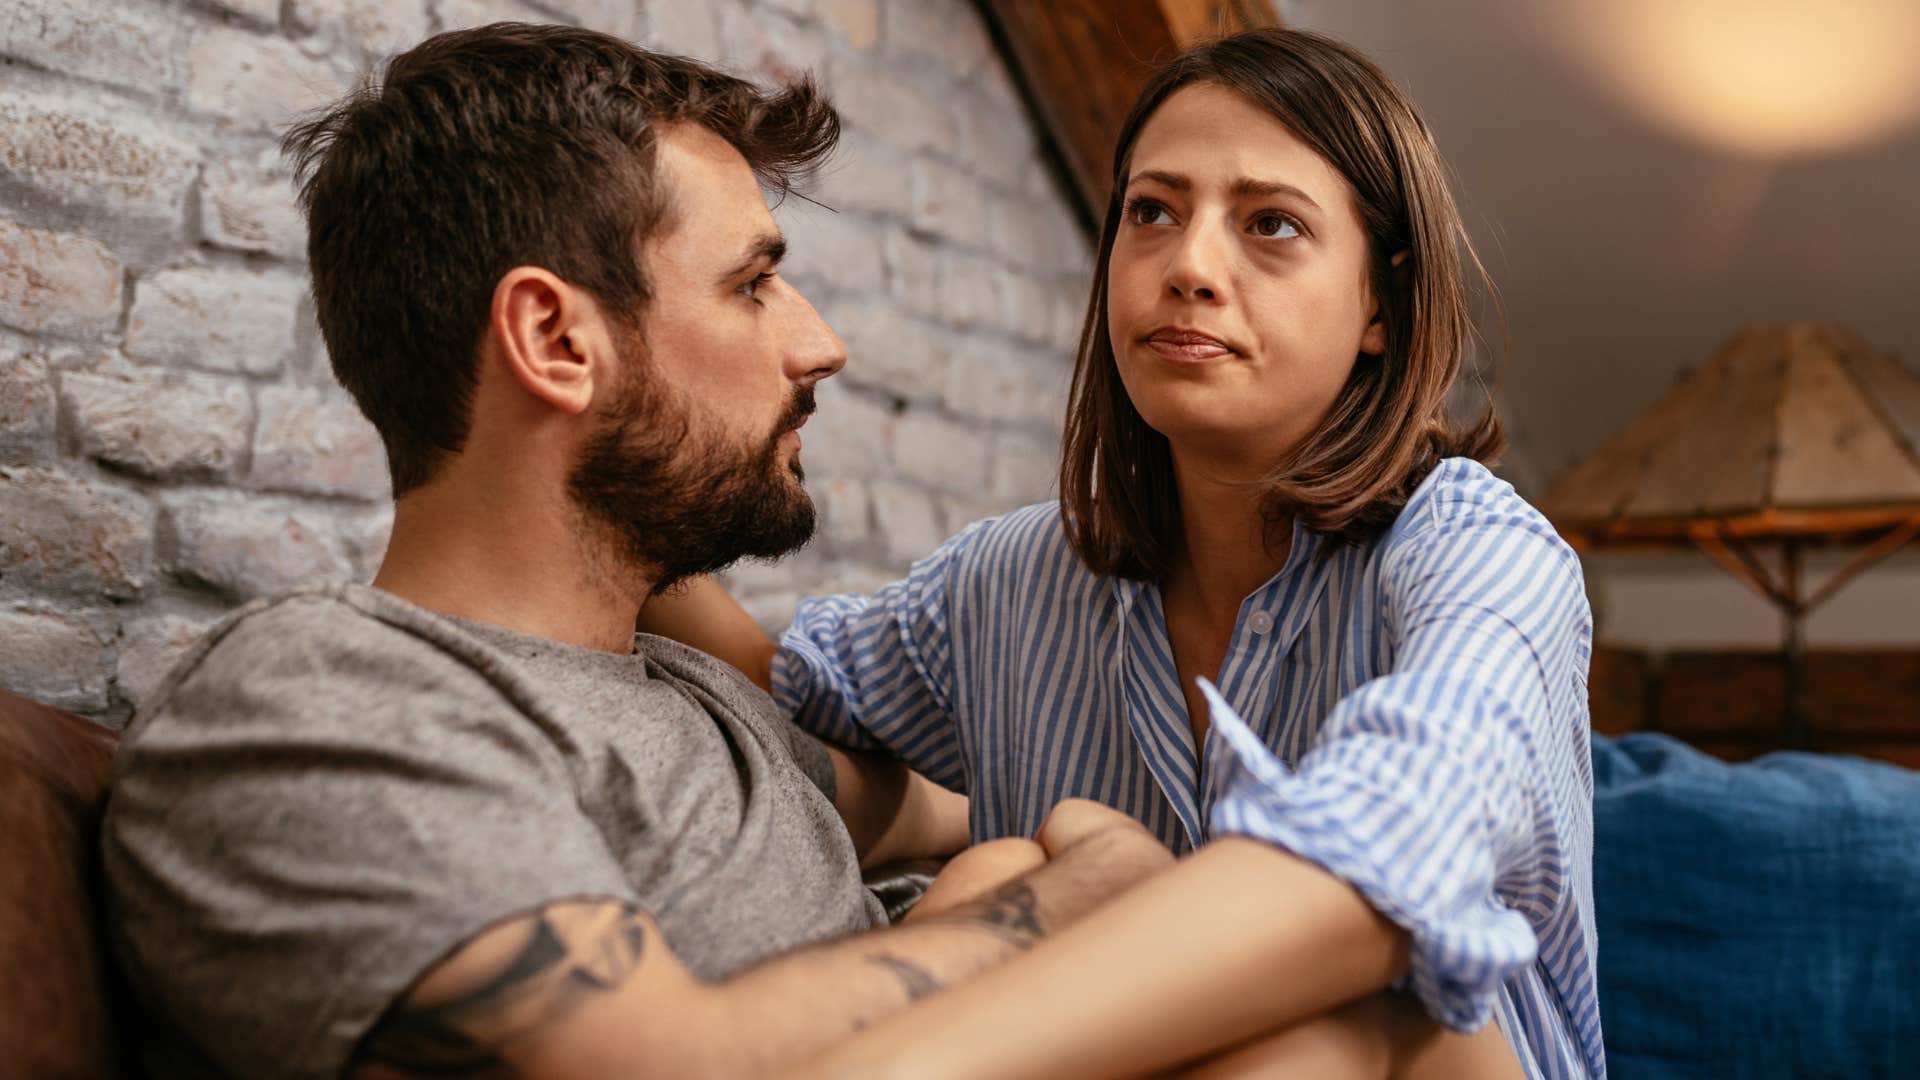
(1416, 724)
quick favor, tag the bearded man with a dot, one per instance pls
(464, 821)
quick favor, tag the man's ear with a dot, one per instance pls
(552, 338)
(1373, 341)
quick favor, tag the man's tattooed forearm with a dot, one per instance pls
(564, 961)
(916, 980)
(1011, 911)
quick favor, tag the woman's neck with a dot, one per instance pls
(1228, 548)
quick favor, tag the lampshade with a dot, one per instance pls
(1798, 431)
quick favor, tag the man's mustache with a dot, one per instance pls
(799, 407)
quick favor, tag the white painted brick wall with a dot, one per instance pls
(172, 444)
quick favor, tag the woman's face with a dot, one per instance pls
(1238, 294)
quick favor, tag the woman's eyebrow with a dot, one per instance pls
(1245, 187)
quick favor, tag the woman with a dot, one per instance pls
(1261, 490)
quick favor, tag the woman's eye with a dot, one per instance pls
(1276, 226)
(1146, 212)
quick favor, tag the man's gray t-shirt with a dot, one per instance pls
(337, 789)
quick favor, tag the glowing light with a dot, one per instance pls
(1763, 77)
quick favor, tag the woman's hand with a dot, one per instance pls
(1075, 820)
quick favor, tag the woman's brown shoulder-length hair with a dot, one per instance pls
(1389, 426)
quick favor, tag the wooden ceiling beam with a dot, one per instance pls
(1081, 63)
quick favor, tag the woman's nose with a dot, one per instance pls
(1197, 269)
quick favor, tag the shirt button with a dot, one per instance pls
(1260, 622)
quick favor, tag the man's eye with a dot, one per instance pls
(1276, 226)
(751, 288)
(1144, 211)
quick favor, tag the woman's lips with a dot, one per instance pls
(1186, 346)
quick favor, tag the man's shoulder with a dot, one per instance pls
(275, 651)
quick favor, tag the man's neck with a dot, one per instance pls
(524, 564)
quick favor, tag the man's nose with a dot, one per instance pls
(815, 351)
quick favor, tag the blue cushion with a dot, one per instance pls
(1756, 920)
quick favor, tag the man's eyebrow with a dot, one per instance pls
(1242, 188)
(768, 247)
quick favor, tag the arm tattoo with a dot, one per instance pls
(464, 1033)
(915, 979)
(1011, 911)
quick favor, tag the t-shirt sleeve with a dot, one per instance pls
(313, 820)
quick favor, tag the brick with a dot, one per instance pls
(890, 351)
(908, 522)
(263, 11)
(766, 45)
(160, 423)
(620, 18)
(949, 34)
(856, 21)
(1070, 304)
(150, 646)
(972, 291)
(1030, 307)
(67, 150)
(997, 142)
(990, 381)
(686, 29)
(364, 535)
(913, 273)
(851, 435)
(845, 511)
(373, 26)
(317, 441)
(869, 176)
(257, 82)
(218, 319)
(830, 253)
(26, 409)
(1029, 232)
(130, 44)
(891, 108)
(53, 658)
(960, 511)
(465, 14)
(1025, 470)
(947, 202)
(245, 549)
(57, 283)
(940, 453)
(60, 533)
(243, 208)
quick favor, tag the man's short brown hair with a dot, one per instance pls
(1388, 427)
(486, 149)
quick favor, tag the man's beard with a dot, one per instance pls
(676, 501)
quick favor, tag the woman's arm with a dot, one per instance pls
(1238, 940)
(700, 613)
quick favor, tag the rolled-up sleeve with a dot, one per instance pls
(877, 671)
(1440, 790)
